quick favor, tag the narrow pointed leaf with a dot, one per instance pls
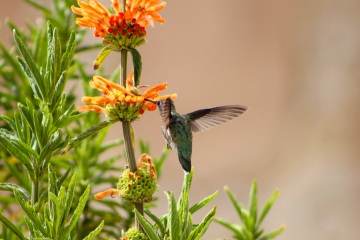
(149, 230)
(39, 205)
(69, 198)
(203, 203)
(10, 187)
(51, 146)
(87, 133)
(235, 203)
(59, 88)
(57, 213)
(12, 227)
(31, 64)
(75, 218)
(253, 202)
(274, 233)
(101, 57)
(136, 57)
(33, 83)
(69, 53)
(29, 212)
(95, 232)
(18, 155)
(230, 227)
(199, 231)
(156, 220)
(28, 149)
(174, 223)
(267, 207)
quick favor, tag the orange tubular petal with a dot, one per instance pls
(134, 4)
(155, 89)
(100, 7)
(151, 3)
(173, 96)
(150, 106)
(99, 87)
(129, 81)
(86, 22)
(113, 85)
(76, 10)
(95, 108)
(108, 192)
(116, 6)
(158, 7)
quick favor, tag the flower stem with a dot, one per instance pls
(130, 152)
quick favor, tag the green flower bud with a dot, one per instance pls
(135, 234)
(138, 187)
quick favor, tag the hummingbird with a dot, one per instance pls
(177, 129)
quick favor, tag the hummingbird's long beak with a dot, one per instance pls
(150, 100)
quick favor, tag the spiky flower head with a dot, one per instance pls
(138, 187)
(124, 104)
(121, 30)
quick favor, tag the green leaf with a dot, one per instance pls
(75, 218)
(59, 88)
(231, 227)
(174, 222)
(101, 57)
(12, 227)
(69, 53)
(149, 230)
(57, 214)
(16, 152)
(253, 203)
(267, 207)
(187, 227)
(38, 6)
(51, 146)
(203, 226)
(69, 198)
(10, 187)
(39, 205)
(136, 57)
(29, 212)
(274, 233)
(30, 63)
(156, 220)
(235, 203)
(95, 232)
(203, 203)
(27, 148)
(33, 83)
(87, 133)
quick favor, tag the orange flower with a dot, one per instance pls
(123, 29)
(122, 103)
(144, 11)
(108, 192)
(145, 161)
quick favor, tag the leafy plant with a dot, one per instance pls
(178, 223)
(251, 222)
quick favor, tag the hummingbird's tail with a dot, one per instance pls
(185, 163)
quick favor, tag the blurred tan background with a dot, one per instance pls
(296, 65)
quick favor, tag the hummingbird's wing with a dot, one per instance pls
(205, 119)
(166, 112)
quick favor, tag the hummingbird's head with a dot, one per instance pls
(159, 104)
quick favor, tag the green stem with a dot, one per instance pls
(130, 152)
